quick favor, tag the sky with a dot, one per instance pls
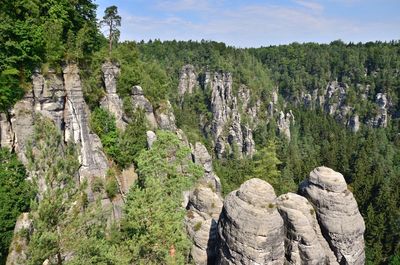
(255, 23)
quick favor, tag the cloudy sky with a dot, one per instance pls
(255, 23)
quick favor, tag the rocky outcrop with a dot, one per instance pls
(284, 122)
(201, 221)
(226, 127)
(204, 159)
(165, 116)
(151, 138)
(187, 80)
(304, 243)
(341, 223)
(6, 132)
(19, 246)
(111, 101)
(76, 114)
(140, 102)
(250, 228)
(381, 118)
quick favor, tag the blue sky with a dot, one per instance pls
(255, 23)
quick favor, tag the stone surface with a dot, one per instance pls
(226, 126)
(204, 159)
(340, 220)
(151, 138)
(284, 122)
(6, 132)
(201, 220)
(165, 116)
(93, 161)
(111, 101)
(139, 101)
(381, 118)
(19, 246)
(250, 228)
(304, 243)
(187, 80)
(126, 179)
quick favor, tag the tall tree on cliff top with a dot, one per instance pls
(112, 20)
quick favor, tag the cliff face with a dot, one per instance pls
(334, 100)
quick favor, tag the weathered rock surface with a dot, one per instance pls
(284, 122)
(151, 138)
(187, 80)
(139, 101)
(341, 222)
(111, 101)
(92, 159)
(226, 127)
(204, 159)
(201, 223)
(165, 116)
(6, 132)
(250, 228)
(304, 243)
(381, 118)
(19, 246)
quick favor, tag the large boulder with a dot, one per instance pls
(340, 220)
(19, 246)
(250, 228)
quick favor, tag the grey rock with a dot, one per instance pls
(139, 101)
(49, 97)
(204, 159)
(6, 132)
(111, 101)
(250, 228)
(126, 179)
(284, 122)
(354, 123)
(93, 161)
(340, 220)
(19, 246)
(304, 243)
(187, 80)
(381, 118)
(151, 138)
(165, 116)
(22, 121)
(201, 221)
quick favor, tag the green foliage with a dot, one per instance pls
(36, 32)
(112, 20)
(122, 147)
(153, 216)
(15, 195)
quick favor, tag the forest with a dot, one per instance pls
(46, 34)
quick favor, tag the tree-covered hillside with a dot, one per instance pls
(48, 35)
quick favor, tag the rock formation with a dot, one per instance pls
(76, 113)
(139, 101)
(111, 101)
(204, 159)
(165, 116)
(201, 222)
(226, 127)
(187, 80)
(381, 118)
(19, 246)
(250, 228)
(284, 122)
(341, 223)
(304, 243)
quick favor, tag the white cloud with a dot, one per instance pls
(314, 6)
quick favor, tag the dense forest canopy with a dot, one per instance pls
(47, 34)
